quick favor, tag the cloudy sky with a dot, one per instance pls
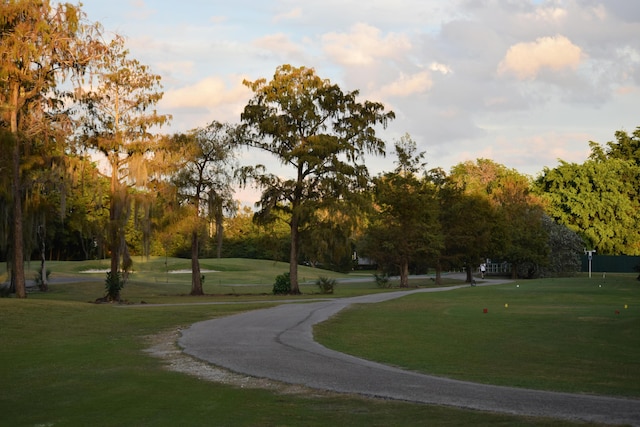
(522, 82)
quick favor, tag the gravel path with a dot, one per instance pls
(277, 343)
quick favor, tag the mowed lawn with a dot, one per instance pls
(67, 362)
(576, 334)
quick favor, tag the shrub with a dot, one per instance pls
(282, 285)
(326, 285)
(38, 280)
(113, 286)
(382, 280)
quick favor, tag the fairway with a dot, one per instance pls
(576, 335)
(65, 361)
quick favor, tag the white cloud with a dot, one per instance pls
(294, 13)
(209, 92)
(442, 68)
(525, 60)
(548, 14)
(363, 45)
(175, 67)
(407, 85)
(278, 43)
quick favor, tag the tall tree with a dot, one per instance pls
(468, 221)
(204, 180)
(518, 235)
(625, 147)
(119, 123)
(322, 134)
(405, 226)
(565, 246)
(598, 200)
(40, 46)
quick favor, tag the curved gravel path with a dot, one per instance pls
(277, 343)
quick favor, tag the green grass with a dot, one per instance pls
(65, 362)
(168, 280)
(76, 364)
(556, 334)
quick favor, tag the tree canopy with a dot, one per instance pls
(320, 132)
(404, 227)
(40, 46)
(119, 121)
(598, 200)
(204, 182)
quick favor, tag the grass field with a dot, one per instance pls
(65, 362)
(577, 334)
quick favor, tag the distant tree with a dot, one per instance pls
(322, 134)
(87, 214)
(565, 248)
(469, 225)
(248, 238)
(596, 199)
(119, 119)
(405, 226)
(626, 147)
(518, 235)
(41, 45)
(525, 243)
(204, 181)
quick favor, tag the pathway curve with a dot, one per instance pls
(277, 343)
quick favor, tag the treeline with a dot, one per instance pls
(87, 174)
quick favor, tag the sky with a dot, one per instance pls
(522, 82)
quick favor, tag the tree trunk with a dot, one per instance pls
(196, 278)
(219, 235)
(404, 274)
(44, 284)
(469, 273)
(114, 227)
(293, 256)
(514, 271)
(438, 280)
(16, 192)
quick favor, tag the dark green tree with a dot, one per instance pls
(596, 199)
(119, 122)
(405, 227)
(518, 235)
(41, 45)
(469, 224)
(204, 181)
(565, 248)
(625, 147)
(322, 134)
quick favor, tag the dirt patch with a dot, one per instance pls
(164, 346)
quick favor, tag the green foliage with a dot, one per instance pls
(113, 285)
(565, 246)
(516, 229)
(282, 285)
(326, 285)
(405, 226)
(246, 237)
(322, 133)
(597, 199)
(38, 278)
(41, 46)
(382, 280)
